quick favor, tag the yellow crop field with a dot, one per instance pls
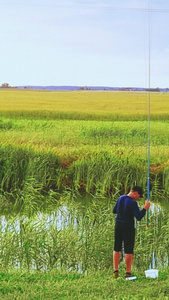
(83, 102)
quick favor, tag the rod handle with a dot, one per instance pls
(148, 218)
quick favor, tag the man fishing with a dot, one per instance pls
(126, 209)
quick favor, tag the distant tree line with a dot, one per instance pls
(5, 85)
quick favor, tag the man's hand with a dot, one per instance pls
(147, 204)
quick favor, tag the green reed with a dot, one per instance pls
(104, 171)
(39, 244)
(25, 172)
(76, 236)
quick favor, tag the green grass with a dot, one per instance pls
(75, 138)
(94, 286)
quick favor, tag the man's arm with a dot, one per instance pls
(139, 214)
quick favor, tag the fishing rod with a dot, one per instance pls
(149, 111)
(148, 159)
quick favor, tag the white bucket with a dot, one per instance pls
(153, 273)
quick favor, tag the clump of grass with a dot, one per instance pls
(5, 125)
(107, 173)
(20, 166)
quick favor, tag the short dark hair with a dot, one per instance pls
(138, 189)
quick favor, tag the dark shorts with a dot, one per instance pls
(124, 233)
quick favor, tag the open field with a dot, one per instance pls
(83, 104)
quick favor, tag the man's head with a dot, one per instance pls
(136, 192)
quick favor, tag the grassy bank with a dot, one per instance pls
(95, 286)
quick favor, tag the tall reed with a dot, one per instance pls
(78, 237)
(25, 172)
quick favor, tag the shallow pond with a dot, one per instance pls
(77, 236)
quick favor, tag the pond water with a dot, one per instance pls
(79, 236)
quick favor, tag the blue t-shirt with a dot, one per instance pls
(126, 209)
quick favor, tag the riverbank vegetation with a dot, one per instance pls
(76, 235)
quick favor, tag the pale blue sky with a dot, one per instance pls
(89, 42)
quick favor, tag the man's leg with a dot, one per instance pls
(129, 261)
(117, 248)
(116, 260)
(128, 249)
